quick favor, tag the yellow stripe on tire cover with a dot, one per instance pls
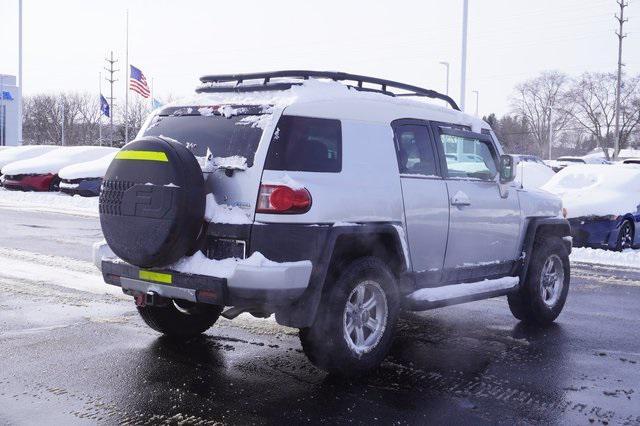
(155, 276)
(142, 156)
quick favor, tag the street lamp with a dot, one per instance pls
(446, 65)
(463, 65)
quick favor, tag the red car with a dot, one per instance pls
(41, 173)
(31, 182)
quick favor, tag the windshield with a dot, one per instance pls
(226, 130)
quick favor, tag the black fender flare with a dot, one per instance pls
(536, 227)
(302, 312)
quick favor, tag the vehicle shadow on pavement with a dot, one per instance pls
(435, 366)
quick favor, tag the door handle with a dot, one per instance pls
(460, 199)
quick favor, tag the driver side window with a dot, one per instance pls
(469, 158)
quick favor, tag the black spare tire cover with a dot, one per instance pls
(152, 202)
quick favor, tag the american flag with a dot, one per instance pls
(138, 83)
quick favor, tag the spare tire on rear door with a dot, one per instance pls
(152, 202)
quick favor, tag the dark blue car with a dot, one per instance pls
(608, 232)
(87, 187)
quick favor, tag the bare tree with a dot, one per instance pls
(593, 96)
(139, 108)
(44, 114)
(534, 101)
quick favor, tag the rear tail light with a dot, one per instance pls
(282, 199)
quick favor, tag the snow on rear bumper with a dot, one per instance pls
(272, 284)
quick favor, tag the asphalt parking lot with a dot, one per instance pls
(72, 357)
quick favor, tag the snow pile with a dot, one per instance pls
(223, 213)
(199, 264)
(599, 190)
(532, 175)
(627, 258)
(17, 153)
(53, 161)
(90, 169)
(56, 270)
(235, 162)
(49, 201)
(286, 180)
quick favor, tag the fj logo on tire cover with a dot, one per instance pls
(150, 201)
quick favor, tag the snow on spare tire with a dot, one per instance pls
(152, 202)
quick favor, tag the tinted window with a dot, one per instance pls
(414, 149)
(224, 136)
(306, 145)
(469, 158)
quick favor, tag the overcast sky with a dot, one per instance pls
(174, 42)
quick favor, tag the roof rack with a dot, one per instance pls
(210, 80)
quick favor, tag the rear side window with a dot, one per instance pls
(414, 149)
(306, 145)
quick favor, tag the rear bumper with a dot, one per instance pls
(267, 285)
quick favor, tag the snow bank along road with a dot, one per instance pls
(72, 351)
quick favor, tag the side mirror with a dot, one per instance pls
(507, 168)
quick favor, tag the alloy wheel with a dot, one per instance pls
(365, 317)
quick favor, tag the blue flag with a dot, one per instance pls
(7, 96)
(156, 103)
(104, 106)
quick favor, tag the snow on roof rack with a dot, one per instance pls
(215, 83)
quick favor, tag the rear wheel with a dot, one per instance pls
(626, 236)
(180, 318)
(542, 296)
(353, 329)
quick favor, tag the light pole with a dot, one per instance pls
(477, 100)
(446, 65)
(463, 67)
(20, 72)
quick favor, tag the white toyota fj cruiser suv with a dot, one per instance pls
(331, 200)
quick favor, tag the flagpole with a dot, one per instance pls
(151, 93)
(126, 93)
(100, 108)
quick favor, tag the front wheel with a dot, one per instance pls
(180, 318)
(353, 330)
(625, 236)
(542, 296)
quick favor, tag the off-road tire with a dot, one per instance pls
(324, 342)
(191, 320)
(527, 304)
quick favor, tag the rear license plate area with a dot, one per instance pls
(224, 248)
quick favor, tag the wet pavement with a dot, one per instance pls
(69, 357)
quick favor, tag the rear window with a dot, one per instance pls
(306, 145)
(227, 131)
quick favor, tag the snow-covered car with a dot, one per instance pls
(41, 173)
(528, 158)
(17, 153)
(533, 174)
(631, 161)
(601, 203)
(298, 194)
(85, 178)
(562, 162)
